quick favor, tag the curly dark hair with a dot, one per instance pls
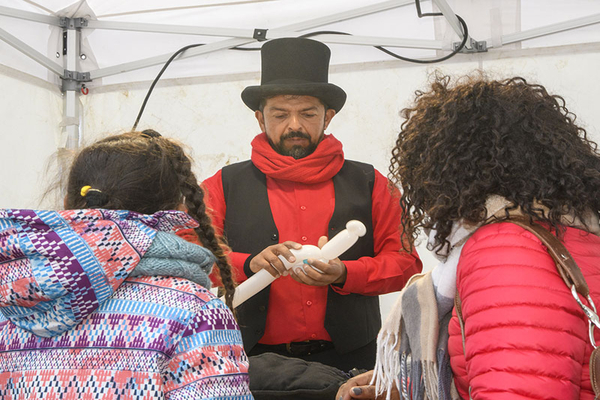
(146, 172)
(465, 141)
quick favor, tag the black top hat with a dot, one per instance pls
(295, 66)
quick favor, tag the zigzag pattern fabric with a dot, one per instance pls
(73, 326)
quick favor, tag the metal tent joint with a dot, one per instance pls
(260, 34)
(472, 46)
(73, 80)
(73, 23)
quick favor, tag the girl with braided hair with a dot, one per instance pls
(103, 300)
(176, 188)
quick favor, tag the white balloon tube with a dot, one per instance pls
(343, 240)
(251, 286)
(332, 249)
(301, 255)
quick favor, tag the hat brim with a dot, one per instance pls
(330, 94)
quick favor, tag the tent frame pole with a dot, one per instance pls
(550, 29)
(246, 36)
(31, 52)
(450, 16)
(248, 33)
(229, 43)
(290, 30)
(71, 94)
(29, 16)
(239, 36)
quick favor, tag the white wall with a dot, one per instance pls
(30, 111)
(208, 115)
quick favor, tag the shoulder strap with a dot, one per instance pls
(567, 267)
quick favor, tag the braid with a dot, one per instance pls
(194, 201)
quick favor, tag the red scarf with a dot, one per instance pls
(321, 165)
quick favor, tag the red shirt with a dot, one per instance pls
(301, 213)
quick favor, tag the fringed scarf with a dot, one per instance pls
(412, 346)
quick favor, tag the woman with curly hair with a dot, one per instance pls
(469, 157)
(103, 300)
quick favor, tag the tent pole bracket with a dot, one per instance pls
(73, 23)
(260, 35)
(473, 46)
(72, 80)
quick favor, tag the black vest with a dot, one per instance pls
(351, 320)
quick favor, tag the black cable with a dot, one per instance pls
(181, 50)
(388, 52)
(421, 15)
(391, 53)
(452, 54)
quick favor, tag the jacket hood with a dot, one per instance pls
(57, 267)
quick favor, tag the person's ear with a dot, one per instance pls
(329, 114)
(182, 207)
(261, 120)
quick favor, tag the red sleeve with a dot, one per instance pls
(525, 336)
(215, 204)
(391, 267)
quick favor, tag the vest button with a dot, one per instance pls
(274, 237)
(262, 308)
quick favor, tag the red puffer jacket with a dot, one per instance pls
(526, 337)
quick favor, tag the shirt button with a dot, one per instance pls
(304, 238)
(303, 208)
(314, 335)
(309, 303)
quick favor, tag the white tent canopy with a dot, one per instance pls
(89, 44)
(117, 34)
(116, 48)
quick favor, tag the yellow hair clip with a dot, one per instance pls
(85, 190)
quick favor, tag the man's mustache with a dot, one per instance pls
(295, 134)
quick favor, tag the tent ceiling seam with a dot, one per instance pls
(228, 43)
(33, 3)
(157, 10)
(28, 78)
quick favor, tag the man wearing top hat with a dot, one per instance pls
(298, 189)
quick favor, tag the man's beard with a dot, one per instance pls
(295, 151)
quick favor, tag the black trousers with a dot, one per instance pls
(361, 358)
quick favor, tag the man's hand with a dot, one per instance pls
(332, 272)
(269, 258)
(359, 388)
